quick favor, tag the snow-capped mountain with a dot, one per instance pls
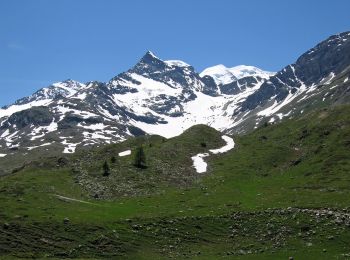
(223, 75)
(167, 97)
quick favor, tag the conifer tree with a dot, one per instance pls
(106, 169)
(140, 158)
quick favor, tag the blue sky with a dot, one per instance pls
(44, 41)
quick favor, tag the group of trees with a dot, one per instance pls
(139, 161)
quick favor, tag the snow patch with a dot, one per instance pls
(178, 63)
(81, 96)
(278, 105)
(6, 133)
(198, 162)
(69, 147)
(33, 147)
(17, 108)
(41, 131)
(98, 126)
(125, 153)
(230, 144)
(329, 78)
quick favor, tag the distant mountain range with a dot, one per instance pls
(167, 97)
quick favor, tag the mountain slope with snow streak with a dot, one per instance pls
(168, 97)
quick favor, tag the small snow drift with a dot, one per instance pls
(125, 153)
(230, 144)
(200, 165)
(2, 155)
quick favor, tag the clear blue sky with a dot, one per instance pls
(44, 41)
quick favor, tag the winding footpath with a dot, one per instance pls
(198, 162)
(72, 199)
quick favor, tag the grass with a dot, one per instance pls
(300, 163)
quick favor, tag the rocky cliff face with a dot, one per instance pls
(318, 65)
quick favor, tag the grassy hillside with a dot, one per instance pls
(282, 191)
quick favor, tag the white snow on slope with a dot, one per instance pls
(81, 96)
(198, 162)
(71, 87)
(220, 74)
(16, 108)
(212, 111)
(69, 147)
(178, 63)
(242, 71)
(84, 114)
(125, 153)
(41, 131)
(278, 105)
(148, 89)
(66, 88)
(6, 133)
(223, 75)
(10, 138)
(153, 55)
(230, 144)
(33, 147)
(98, 126)
(2, 155)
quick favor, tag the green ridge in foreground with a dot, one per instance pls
(282, 192)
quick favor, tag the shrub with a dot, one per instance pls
(113, 159)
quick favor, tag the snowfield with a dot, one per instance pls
(198, 162)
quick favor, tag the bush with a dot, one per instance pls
(113, 159)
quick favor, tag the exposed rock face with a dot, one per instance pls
(318, 65)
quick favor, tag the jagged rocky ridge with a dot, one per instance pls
(167, 97)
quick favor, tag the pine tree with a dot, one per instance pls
(140, 158)
(106, 169)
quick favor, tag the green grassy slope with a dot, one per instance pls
(282, 191)
(168, 164)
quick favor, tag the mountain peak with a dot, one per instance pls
(220, 73)
(148, 63)
(149, 56)
(68, 83)
(223, 75)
